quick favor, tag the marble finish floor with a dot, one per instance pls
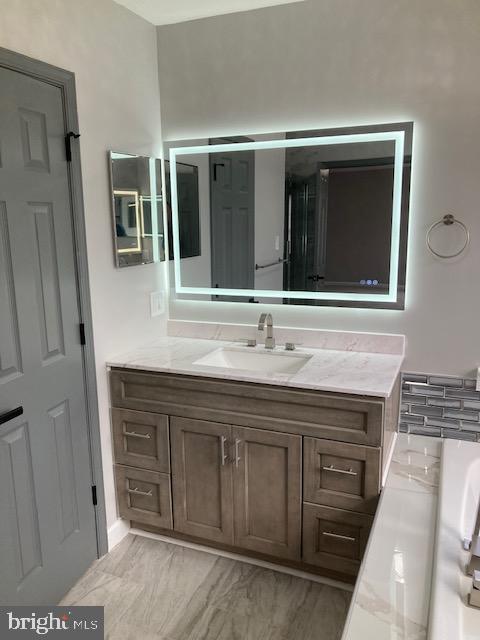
(156, 590)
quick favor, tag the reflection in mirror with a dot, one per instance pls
(137, 209)
(188, 210)
(310, 217)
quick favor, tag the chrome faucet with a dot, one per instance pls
(266, 318)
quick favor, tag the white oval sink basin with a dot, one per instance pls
(249, 359)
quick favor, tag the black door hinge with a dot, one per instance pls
(82, 333)
(68, 144)
(94, 494)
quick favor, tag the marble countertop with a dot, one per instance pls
(340, 371)
(392, 594)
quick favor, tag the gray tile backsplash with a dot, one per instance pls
(442, 406)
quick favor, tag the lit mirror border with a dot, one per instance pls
(397, 136)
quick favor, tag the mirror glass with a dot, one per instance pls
(308, 217)
(137, 209)
(188, 210)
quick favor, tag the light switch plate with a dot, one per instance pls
(157, 303)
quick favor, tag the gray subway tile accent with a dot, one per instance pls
(410, 397)
(426, 390)
(445, 402)
(445, 381)
(410, 418)
(425, 431)
(459, 435)
(470, 426)
(414, 377)
(461, 415)
(442, 422)
(426, 411)
(440, 406)
(462, 393)
(471, 404)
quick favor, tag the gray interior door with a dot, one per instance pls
(232, 178)
(47, 520)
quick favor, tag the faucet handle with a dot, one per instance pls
(290, 346)
(250, 342)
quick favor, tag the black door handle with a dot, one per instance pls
(10, 415)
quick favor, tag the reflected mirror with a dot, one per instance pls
(308, 217)
(188, 210)
(137, 209)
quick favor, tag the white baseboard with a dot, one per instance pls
(241, 558)
(117, 532)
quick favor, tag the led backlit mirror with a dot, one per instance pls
(308, 217)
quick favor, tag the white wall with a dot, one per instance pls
(327, 63)
(113, 55)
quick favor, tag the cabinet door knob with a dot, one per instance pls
(338, 536)
(350, 472)
(138, 492)
(223, 455)
(237, 451)
(134, 434)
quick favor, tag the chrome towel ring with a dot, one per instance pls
(448, 220)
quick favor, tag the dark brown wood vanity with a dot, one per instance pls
(283, 474)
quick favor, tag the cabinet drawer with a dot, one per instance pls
(297, 411)
(141, 439)
(341, 475)
(144, 496)
(334, 539)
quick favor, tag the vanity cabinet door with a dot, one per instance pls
(341, 475)
(267, 492)
(202, 479)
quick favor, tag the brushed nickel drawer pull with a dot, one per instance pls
(338, 536)
(134, 434)
(138, 492)
(350, 472)
(237, 454)
(223, 455)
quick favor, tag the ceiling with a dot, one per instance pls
(168, 11)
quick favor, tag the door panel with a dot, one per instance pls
(47, 281)
(202, 479)
(16, 478)
(67, 505)
(45, 454)
(267, 492)
(33, 127)
(232, 181)
(10, 358)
